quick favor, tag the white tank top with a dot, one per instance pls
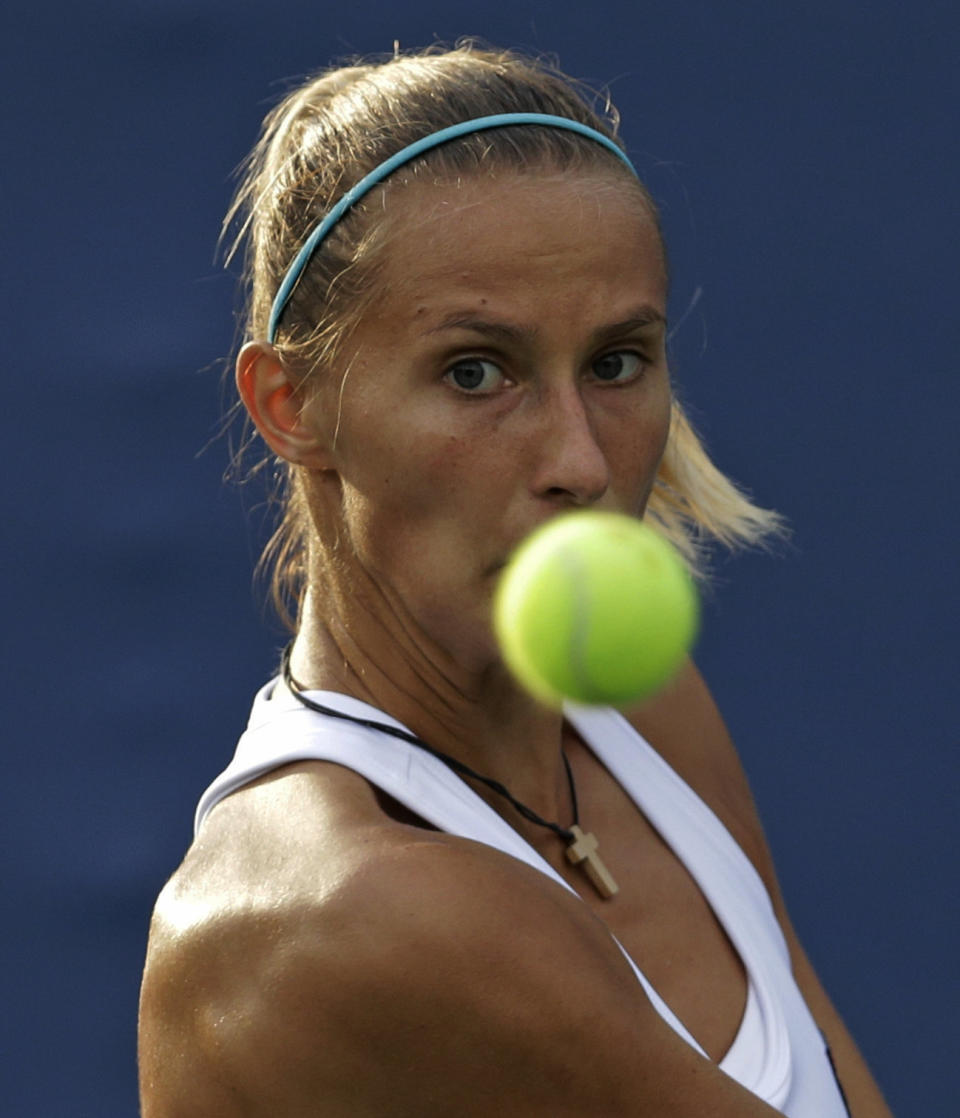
(778, 1053)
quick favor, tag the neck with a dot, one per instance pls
(361, 644)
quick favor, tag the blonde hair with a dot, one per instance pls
(328, 134)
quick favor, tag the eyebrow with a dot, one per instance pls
(640, 318)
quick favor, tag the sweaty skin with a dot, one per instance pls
(321, 952)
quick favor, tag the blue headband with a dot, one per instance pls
(388, 166)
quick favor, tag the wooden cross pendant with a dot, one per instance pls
(582, 852)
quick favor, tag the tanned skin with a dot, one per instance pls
(315, 955)
(322, 953)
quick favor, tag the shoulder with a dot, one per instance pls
(410, 976)
(687, 729)
(419, 974)
(685, 726)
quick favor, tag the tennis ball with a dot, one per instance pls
(595, 607)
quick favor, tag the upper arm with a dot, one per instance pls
(447, 980)
(684, 723)
(688, 729)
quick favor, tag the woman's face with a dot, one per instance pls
(511, 368)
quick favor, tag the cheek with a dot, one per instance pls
(661, 425)
(444, 461)
(406, 494)
(635, 462)
(436, 475)
(641, 438)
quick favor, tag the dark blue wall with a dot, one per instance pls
(805, 157)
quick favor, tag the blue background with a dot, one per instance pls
(805, 158)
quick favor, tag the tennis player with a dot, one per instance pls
(415, 892)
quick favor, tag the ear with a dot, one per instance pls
(276, 407)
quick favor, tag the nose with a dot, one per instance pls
(571, 467)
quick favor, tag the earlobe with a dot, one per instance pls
(276, 406)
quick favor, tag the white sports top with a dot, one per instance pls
(778, 1053)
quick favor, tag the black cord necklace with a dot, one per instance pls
(581, 848)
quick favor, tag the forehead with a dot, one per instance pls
(514, 237)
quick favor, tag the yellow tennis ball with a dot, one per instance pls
(596, 607)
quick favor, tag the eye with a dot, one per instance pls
(474, 374)
(618, 367)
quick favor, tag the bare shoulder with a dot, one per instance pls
(686, 727)
(688, 730)
(256, 935)
(426, 975)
